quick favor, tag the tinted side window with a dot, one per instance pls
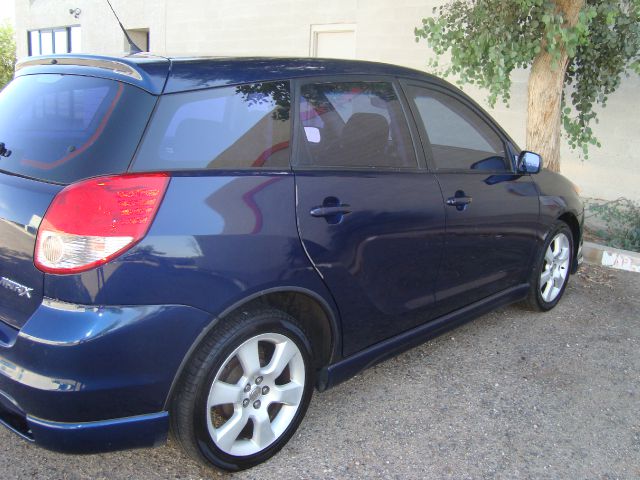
(459, 138)
(353, 124)
(245, 126)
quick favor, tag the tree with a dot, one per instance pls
(577, 50)
(7, 55)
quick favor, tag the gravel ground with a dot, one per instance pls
(511, 395)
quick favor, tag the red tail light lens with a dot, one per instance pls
(93, 221)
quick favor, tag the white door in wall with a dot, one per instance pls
(333, 41)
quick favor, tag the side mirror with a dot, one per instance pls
(529, 162)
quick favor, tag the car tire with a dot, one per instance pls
(552, 269)
(245, 390)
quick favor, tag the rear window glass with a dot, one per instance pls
(354, 124)
(245, 126)
(63, 128)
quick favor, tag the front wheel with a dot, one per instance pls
(551, 273)
(245, 391)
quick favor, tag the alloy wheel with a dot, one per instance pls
(555, 271)
(255, 394)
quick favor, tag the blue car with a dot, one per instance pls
(193, 245)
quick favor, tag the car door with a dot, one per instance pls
(370, 220)
(491, 211)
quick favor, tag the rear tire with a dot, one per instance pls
(551, 271)
(245, 391)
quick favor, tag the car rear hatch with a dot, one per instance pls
(59, 124)
(22, 205)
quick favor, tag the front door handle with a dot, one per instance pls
(460, 200)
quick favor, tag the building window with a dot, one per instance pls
(55, 40)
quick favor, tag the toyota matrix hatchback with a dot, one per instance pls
(193, 245)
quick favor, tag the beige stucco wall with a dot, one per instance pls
(384, 32)
(6, 11)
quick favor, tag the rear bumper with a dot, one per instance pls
(90, 379)
(86, 437)
(106, 435)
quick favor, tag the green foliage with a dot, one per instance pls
(7, 54)
(488, 39)
(622, 220)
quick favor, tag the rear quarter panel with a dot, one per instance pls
(218, 238)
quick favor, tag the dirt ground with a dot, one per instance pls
(513, 394)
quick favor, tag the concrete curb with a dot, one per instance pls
(597, 254)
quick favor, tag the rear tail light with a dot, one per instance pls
(93, 221)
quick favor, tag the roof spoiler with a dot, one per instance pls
(115, 66)
(148, 72)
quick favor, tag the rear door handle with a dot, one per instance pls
(330, 211)
(458, 201)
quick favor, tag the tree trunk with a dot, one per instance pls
(546, 82)
(543, 113)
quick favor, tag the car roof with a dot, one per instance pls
(168, 75)
(194, 73)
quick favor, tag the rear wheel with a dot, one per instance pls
(245, 391)
(551, 274)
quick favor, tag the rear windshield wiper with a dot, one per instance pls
(3, 150)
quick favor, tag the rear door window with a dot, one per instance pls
(353, 124)
(63, 128)
(244, 126)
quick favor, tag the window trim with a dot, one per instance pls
(298, 138)
(508, 144)
(52, 30)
